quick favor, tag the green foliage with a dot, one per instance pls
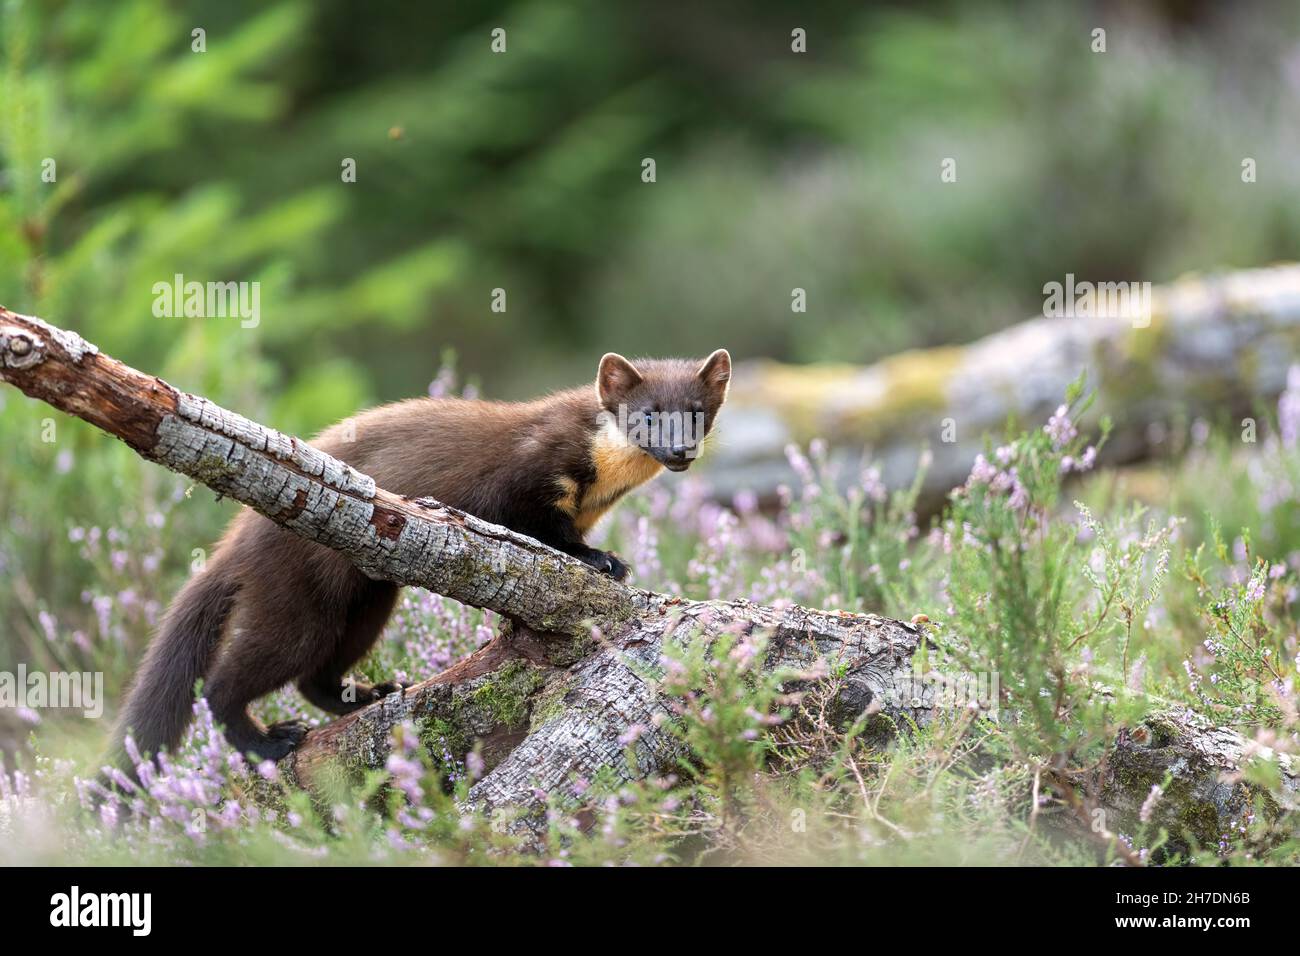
(521, 172)
(723, 701)
(1009, 587)
(1250, 650)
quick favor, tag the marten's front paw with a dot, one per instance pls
(606, 563)
(387, 687)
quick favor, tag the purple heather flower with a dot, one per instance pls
(1060, 428)
(474, 765)
(873, 486)
(1019, 496)
(632, 734)
(982, 472)
(802, 467)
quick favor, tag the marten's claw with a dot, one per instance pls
(615, 568)
(388, 687)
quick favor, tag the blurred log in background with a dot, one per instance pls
(1217, 347)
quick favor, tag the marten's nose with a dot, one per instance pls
(679, 452)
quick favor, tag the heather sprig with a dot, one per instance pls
(852, 536)
(1245, 670)
(1015, 577)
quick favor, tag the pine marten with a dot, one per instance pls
(271, 607)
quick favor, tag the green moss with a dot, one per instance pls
(564, 654)
(506, 693)
(915, 385)
(583, 644)
(266, 794)
(437, 732)
(211, 469)
(910, 385)
(1127, 376)
(1144, 346)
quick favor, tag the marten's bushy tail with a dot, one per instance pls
(160, 702)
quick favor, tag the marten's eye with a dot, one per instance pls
(648, 417)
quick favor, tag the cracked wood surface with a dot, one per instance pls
(582, 721)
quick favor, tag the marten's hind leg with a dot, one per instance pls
(273, 642)
(366, 618)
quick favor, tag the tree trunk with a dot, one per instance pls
(554, 696)
(1216, 345)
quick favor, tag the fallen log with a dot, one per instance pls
(554, 696)
(554, 600)
(1214, 345)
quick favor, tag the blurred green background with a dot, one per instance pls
(522, 171)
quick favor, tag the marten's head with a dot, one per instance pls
(665, 407)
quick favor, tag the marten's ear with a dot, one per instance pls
(716, 373)
(616, 377)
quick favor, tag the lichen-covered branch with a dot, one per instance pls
(603, 715)
(409, 542)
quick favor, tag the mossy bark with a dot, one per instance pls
(1202, 772)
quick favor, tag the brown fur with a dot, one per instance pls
(273, 608)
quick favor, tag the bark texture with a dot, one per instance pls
(1206, 797)
(554, 696)
(1215, 344)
